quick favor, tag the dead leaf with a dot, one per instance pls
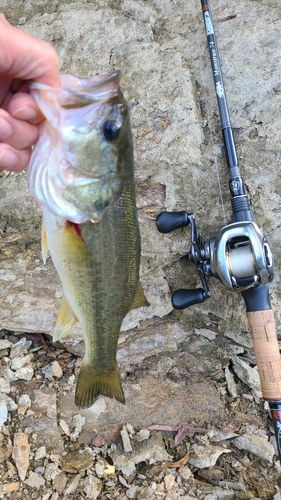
(184, 430)
(179, 463)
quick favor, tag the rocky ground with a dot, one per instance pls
(50, 450)
(194, 424)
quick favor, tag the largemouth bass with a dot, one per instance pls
(82, 173)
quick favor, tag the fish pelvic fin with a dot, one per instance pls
(44, 243)
(65, 321)
(140, 299)
(92, 383)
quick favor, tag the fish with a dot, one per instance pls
(82, 174)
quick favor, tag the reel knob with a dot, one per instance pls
(183, 297)
(169, 221)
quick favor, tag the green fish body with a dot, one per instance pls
(96, 248)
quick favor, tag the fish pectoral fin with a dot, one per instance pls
(44, 242)
(140, 299)
(65, 321)
(92, 383)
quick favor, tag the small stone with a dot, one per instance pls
(123, 481)
(231, 386)
(9, 487)
(56, 369)
(73, 485)
(52, 470)
(216, 435)
(11, 404)
(3, 409)
(93, 487)
(25, 373)
(46, 495)
(54, 496)
(130, 429)
(40, 470)
(64, 427)
(21, 21)
(23, 404)
(103, 468)
(185, 472)
(126, 440)
(5, 344)
(247, 374)
(34, 480)
(40, 453)
(169, 481)
(19, 362)
(20, 348)
(142, 435)
(4, 386)
(59, 482)
(21, 450)
(78, 422)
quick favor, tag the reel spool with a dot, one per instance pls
(238, 255)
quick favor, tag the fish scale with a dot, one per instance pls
(82, 173)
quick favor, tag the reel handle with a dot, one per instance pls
(169, 221)
(183, 298)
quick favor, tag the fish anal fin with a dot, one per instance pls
(92, 383)
(140, 299)
(65, 321)
(44, 242)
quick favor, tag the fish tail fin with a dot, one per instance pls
(91, 383)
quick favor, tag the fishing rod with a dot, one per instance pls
(238, 255)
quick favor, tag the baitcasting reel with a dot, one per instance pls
(238, 255)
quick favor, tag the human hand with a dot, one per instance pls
(22, 58)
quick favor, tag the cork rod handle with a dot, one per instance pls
(263, 331)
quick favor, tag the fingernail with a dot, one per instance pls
(5, 129)
(8, 159)
(25, 113)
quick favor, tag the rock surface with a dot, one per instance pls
(172, 363)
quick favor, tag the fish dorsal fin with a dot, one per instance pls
(44, 242)
(140, 299)
(65, 321)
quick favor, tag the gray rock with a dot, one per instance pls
(247, 374)
(4, 386)
(35, 480)
(125, 440)
(206, 456)
(231, 386)
(257, 445)
(150, 451)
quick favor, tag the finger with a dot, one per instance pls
(17, 133)
(24, 107)
(26, 57)
(12, 159)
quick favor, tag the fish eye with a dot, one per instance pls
(111, 130)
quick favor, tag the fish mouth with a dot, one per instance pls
(78, 93)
